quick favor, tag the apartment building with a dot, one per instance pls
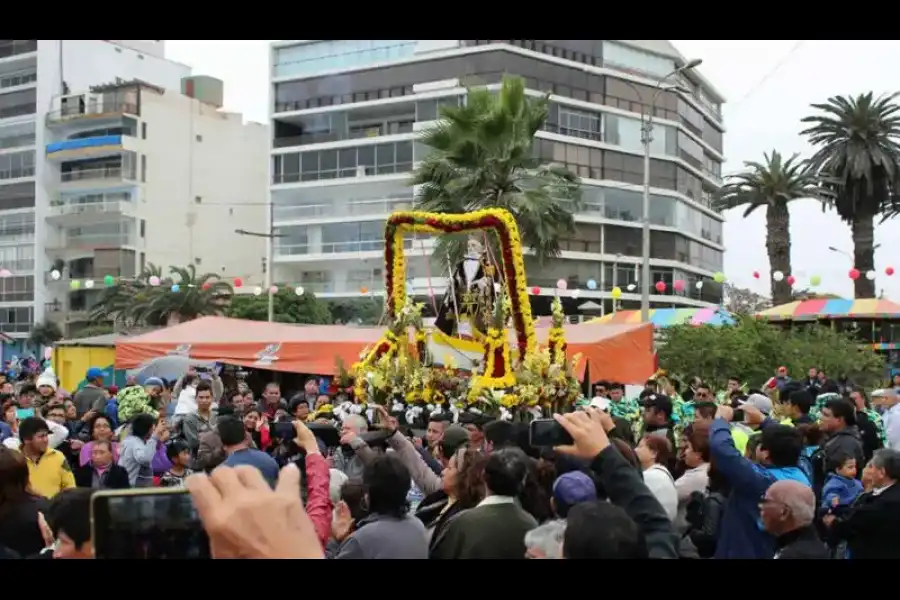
(112, 157)
(346, 114)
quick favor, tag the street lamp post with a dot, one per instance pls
(646, 139)
(270, 236)
(848, 255)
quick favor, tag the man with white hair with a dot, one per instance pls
(787, 511)
(546, 541)
(345, 459)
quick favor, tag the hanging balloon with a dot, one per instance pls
(853, 274)
(562, 284)
(755, 274)
(889, 271)
(363, 290)
(206, 285)
(257, 291)
(273, 289)
(591, 284)
(660, 286)
(575, 293)
(89, 283)
(238, 282)
(175, 288)
(719, 277)
(815, 280)
(630, 287)
(154, 280)
(699, 285)
(109, 281)
(870, 275)
(299, 290)
(678, 285)
(4, 273)
(55, 275)
(616, 293)
(791, 280)
(75, 284)
(778, 276)
(536, 290)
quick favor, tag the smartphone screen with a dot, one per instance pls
(545, 433)
(147, 524)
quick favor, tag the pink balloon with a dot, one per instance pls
(660, 286)
(238, 282)
(889, 271)
(535, 290)
(791, 280)
(273, 289)
(854, 274)
(755, 274)
(678, 285)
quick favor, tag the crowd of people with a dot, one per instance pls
(799, 468)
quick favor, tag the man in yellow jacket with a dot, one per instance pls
(49, 472)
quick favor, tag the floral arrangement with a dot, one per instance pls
(389, 373)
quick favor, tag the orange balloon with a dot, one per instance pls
(364, 290)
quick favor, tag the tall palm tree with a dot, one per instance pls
(858, 159)
(772, 184)
(138, 302)
(482, 157)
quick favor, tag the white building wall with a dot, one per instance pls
(198, 190)
(81, 64)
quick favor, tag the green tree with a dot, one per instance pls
(364, 311)
(44, 334)
(858, 159)
(482, 156)
(288, 308)
(772, 184)
(136, 302)
(753, 349)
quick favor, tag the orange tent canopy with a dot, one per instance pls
(624, 352)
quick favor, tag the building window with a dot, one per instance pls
(143, 227)
(338, 54)
(632, 59)
(143, 168)
(143, 131)
(579, 123)
(380, 159)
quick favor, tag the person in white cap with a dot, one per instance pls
(757, 408)
(46, 386)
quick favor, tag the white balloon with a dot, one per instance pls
(630, 287)
(699, 285)
(777, 275)
(55, 275)
(870, 275)
(299, 290)
(89, 283)
(257, 291)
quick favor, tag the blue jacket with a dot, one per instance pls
(5, 431)
(112, 412)
(741, 534)
(843, 488)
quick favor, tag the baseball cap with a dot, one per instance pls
(600, 402)
(759, 402)
(659, 402)
(93, 373)
(574, 488)
(455, 437)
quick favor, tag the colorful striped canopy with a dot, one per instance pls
(664, 317)
(838, 308)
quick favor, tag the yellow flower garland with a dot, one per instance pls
(496, 339)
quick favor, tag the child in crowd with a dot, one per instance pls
(180, 455)
(842, 488)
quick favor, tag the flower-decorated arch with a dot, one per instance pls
(496, 219)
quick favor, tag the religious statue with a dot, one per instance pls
(468, 304)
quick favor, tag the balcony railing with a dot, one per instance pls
(18, 78)
(354, 133)
(16, 172)
(17, 141)
(117, 173)
(13, 47)
(89, 208)
(334, 248)
(76, 110)
(330, 208)
(94, 241)
(18, 110)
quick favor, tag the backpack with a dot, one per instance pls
(806, 463)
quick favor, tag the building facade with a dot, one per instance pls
(113, 158)
(346, 114)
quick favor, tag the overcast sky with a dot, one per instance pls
(768, 84)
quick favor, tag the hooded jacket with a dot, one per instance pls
(741, 533)
(846, 442)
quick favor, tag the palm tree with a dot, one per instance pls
(44, 334)
(772, 184)
(858, 159)
(482, 157)
(138, 302)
